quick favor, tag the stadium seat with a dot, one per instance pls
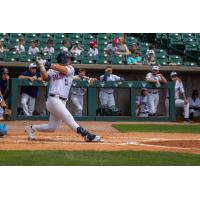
(12, 57)
(130, 40)
(88, 61)
(162, 61)
(118, 59)
(104, 36)
(103, 60)
(89, 36)
(175, 60)
(190, 64)
(2, 56)
(160, 53)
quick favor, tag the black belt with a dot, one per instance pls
(53, 95)
(153, 92)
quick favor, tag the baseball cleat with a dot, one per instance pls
(92, 138)
(187, 120)
(30, 132)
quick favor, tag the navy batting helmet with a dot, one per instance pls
(63, 57)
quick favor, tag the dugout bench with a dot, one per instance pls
(132, 87)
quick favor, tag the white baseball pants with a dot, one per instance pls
(28, 104)
(179, 103)
(106, 99)
(196, 113)
(153, 100)
(77, 100)
(58, 113)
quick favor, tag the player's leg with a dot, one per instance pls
(103, 97)
(111, 100)
(52, 125)
(77, 103)
(156, 102)
(31, 105)
(181, 104)
(62, 112)
(150, 100)
(24, 102)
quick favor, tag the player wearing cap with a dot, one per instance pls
(78, 93)
(29, 93)
(106, 95)
(180, 103)
(60, 77)
(142, 107)
(194, 102)
(93, 51)
(155, 78)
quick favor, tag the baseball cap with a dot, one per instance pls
(32, 65)
(92, 43)
(156, 68)
(173, 74)
(114, 40)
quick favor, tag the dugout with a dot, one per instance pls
(189, 76)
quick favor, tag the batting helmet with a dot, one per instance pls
(63, 57)
(3, 129)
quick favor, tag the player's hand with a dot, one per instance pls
(31, 79)
(185, 101)
(158, 84)
(40, 63)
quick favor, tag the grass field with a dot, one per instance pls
(96, 158)
(161, 128)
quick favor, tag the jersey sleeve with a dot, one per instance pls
(117, 78)
(101, 77)
(25, 73)
(148, 76)
(181, 88)
(138, 100)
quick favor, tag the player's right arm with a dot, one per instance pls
(148, 79)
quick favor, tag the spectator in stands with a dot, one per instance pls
(155, 78)
(49, 48)
(121, 47)
(76, 49)
(29, 93)
(142, 107)
(194, 102)
(93, 51)
(134, 48)
(19, 48)
(134, 58)
(64, 46)
(1, 47)
(112, 49)
(180, 103)
(149, 58)
(33, 49)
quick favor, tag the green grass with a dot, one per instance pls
(96, 158)
(157, 128)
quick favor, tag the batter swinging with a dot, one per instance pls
(60, 77)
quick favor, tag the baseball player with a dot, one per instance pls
(106, 96)
(29, 93)
(60, 77)
(155, 78)
(142, 107)
(194, 102)
(78, 93)
(180, 103)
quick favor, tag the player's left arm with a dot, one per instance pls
(162, 78)
(59, 68)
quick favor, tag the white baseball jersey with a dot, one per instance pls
(60, 84)
(93, 52)
(33, 50)
(64, 49)
(179, 89)
(193, 103)
(20, 48)
(112, 77)
(142, 101)
(153, 78)
(49, 50)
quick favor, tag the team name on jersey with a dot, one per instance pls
(58, 76)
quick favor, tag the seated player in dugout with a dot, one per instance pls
(155, 78)
(78, 93)
(106, 95)
(179, 91)
(194, 102)
(142, 107)
(29, 93)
